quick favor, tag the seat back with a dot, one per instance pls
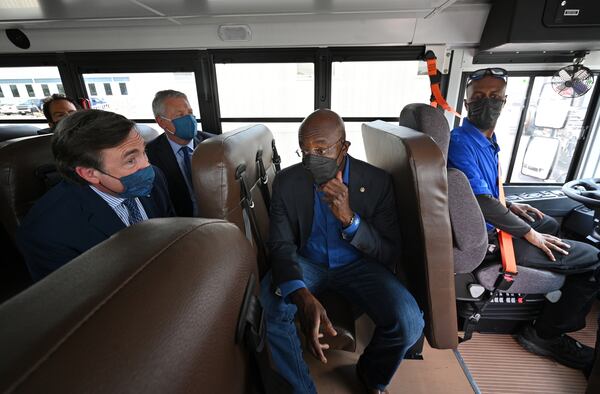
(148, 133)
(9, 132)
(216, 165)
(153, 309)
(468, 225)
(418, 170)
(22, 181)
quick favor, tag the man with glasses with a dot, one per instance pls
(474, 150)
(334, 226)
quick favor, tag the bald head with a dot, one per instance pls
(322, 128)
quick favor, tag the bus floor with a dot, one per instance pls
(488, 363)
(438, 372)
(498, 364)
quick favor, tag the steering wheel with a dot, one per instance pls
(585, 191)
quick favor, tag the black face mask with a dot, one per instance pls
(484, 113)
(322, 169)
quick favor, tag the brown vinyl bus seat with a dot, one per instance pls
(217, 164)
(153, 309)
(418, 170)
(26, 171)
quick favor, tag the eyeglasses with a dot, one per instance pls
(318, 151)
(495, 72)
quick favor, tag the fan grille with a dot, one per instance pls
(573, 81)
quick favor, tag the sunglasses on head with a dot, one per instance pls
(495, 72)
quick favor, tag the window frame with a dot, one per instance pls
(585, 127)
(73, 65)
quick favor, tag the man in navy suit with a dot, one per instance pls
(108, 185)
(172, 151)
(334, 226)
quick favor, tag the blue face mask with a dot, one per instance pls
(138, 184)
(185, 126)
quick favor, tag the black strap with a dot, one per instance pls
(251, 330)
(276, 157)
(503, 282)
(263, 180)
(248, 206)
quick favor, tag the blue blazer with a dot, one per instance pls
(71, 218)
(161, 155)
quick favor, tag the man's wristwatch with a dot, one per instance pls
(351, 221)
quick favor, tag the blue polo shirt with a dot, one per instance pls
(325, 245)
(471, 152)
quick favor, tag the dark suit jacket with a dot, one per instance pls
(70, 219)
(161, 155)
(371, 196)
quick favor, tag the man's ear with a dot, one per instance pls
(162, 122)
(90, 175)
(466, 104)
(505, 99)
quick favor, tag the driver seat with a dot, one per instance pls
(476, 275)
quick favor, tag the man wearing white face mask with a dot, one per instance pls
(172, 151)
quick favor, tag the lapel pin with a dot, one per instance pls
(362, 189)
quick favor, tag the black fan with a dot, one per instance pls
(573, 81)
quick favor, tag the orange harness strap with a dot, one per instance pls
(507, 250)
(434, 79)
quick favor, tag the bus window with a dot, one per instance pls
(552, 125)
(137, 90)
(508, 123)
(378, 88)
(23, 90)
(267, 90)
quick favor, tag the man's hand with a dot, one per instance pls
(312, 316)
(524, 210)
(338, 198)
(547, 243)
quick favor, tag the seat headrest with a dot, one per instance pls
(153, 308)
(428, 120)
(148, 133)
(9, 132)
(23, 163)
(215, 163)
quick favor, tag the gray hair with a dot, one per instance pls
(158, 104)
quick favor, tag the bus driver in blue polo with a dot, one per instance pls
(474, 151)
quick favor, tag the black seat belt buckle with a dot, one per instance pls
(251, 329)
(504, 281)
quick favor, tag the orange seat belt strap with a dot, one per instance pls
(505, 240)
(435, 78)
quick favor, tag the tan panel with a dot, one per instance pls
(418, 169)
(152, 309)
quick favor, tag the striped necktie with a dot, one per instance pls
(135, 216)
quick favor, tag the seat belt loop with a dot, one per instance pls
(248, 206)
(263, 180)
(435, 78)
(276, 157)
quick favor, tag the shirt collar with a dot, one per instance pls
(176, 147)
(478, 136)
(111, 200)
(346, 173)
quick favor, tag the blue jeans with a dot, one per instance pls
(370, 286)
